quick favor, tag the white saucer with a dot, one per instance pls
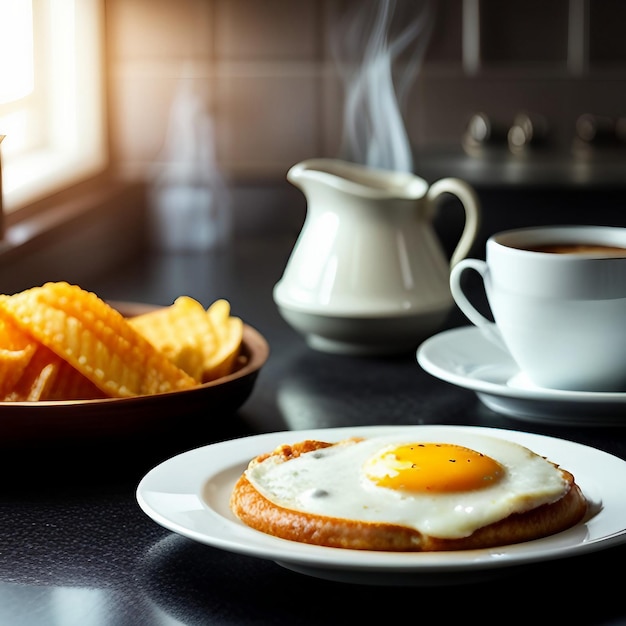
(464, 357)
(189, 495)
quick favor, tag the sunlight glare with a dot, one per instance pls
(16, 49)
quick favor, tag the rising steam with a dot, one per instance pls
(379, 47)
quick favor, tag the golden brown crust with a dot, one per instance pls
(288, 452)
(258, 512)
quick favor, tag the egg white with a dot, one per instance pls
(331, 482)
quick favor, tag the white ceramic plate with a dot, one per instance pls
(464, 357)
(189, 494)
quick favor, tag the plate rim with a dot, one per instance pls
(489, 387)
(232, 535)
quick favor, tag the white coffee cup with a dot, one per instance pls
(561, 315)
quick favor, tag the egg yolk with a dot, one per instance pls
(433, 468)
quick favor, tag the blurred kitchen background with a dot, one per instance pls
(524, 99)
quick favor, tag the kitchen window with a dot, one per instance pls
(51, 96)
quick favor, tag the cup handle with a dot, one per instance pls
(466, 194)
(487, 327)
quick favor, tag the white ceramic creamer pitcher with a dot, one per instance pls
(368, 274)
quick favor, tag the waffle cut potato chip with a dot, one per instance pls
(29, 371)
(229, 332)
(182, 331)
(16, 352)
(77, 340)
(204, 342)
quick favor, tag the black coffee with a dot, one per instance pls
(587, 249)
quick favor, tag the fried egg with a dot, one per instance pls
(445, 489)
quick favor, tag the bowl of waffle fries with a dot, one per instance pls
(72, 363)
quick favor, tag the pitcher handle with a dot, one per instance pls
(466, 194)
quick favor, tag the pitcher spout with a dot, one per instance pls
(356, 179)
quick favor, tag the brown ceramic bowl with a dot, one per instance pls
(77, 419)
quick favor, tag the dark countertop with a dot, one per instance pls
(75, 548)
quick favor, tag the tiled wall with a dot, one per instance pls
(275, 96)
(260, 65)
